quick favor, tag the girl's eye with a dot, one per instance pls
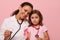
(36, 17)
(32, 17)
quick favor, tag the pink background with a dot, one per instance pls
(50, 10)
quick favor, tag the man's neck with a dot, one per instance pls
(17, 17)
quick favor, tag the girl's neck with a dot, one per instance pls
(36, 26)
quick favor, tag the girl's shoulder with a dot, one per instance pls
(30, 27)
(44, 28)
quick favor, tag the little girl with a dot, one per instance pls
(36, 29)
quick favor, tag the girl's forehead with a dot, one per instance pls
(35, 14)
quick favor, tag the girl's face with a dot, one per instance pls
(35, 19)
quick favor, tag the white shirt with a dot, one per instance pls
(12, 25)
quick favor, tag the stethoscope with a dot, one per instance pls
(37, 32)
(17, 30)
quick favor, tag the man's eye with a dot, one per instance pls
(25, 10)
(28, 13)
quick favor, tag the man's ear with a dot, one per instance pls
(20, 8)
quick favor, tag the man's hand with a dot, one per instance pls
(7, 34)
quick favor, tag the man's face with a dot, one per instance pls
(24, 11)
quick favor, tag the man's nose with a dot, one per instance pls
(26, 13)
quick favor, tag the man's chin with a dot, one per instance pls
(23, 18)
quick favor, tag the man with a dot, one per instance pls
(11, 27)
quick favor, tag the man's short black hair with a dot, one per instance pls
(26, 3)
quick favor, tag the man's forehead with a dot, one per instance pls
(27, 8)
